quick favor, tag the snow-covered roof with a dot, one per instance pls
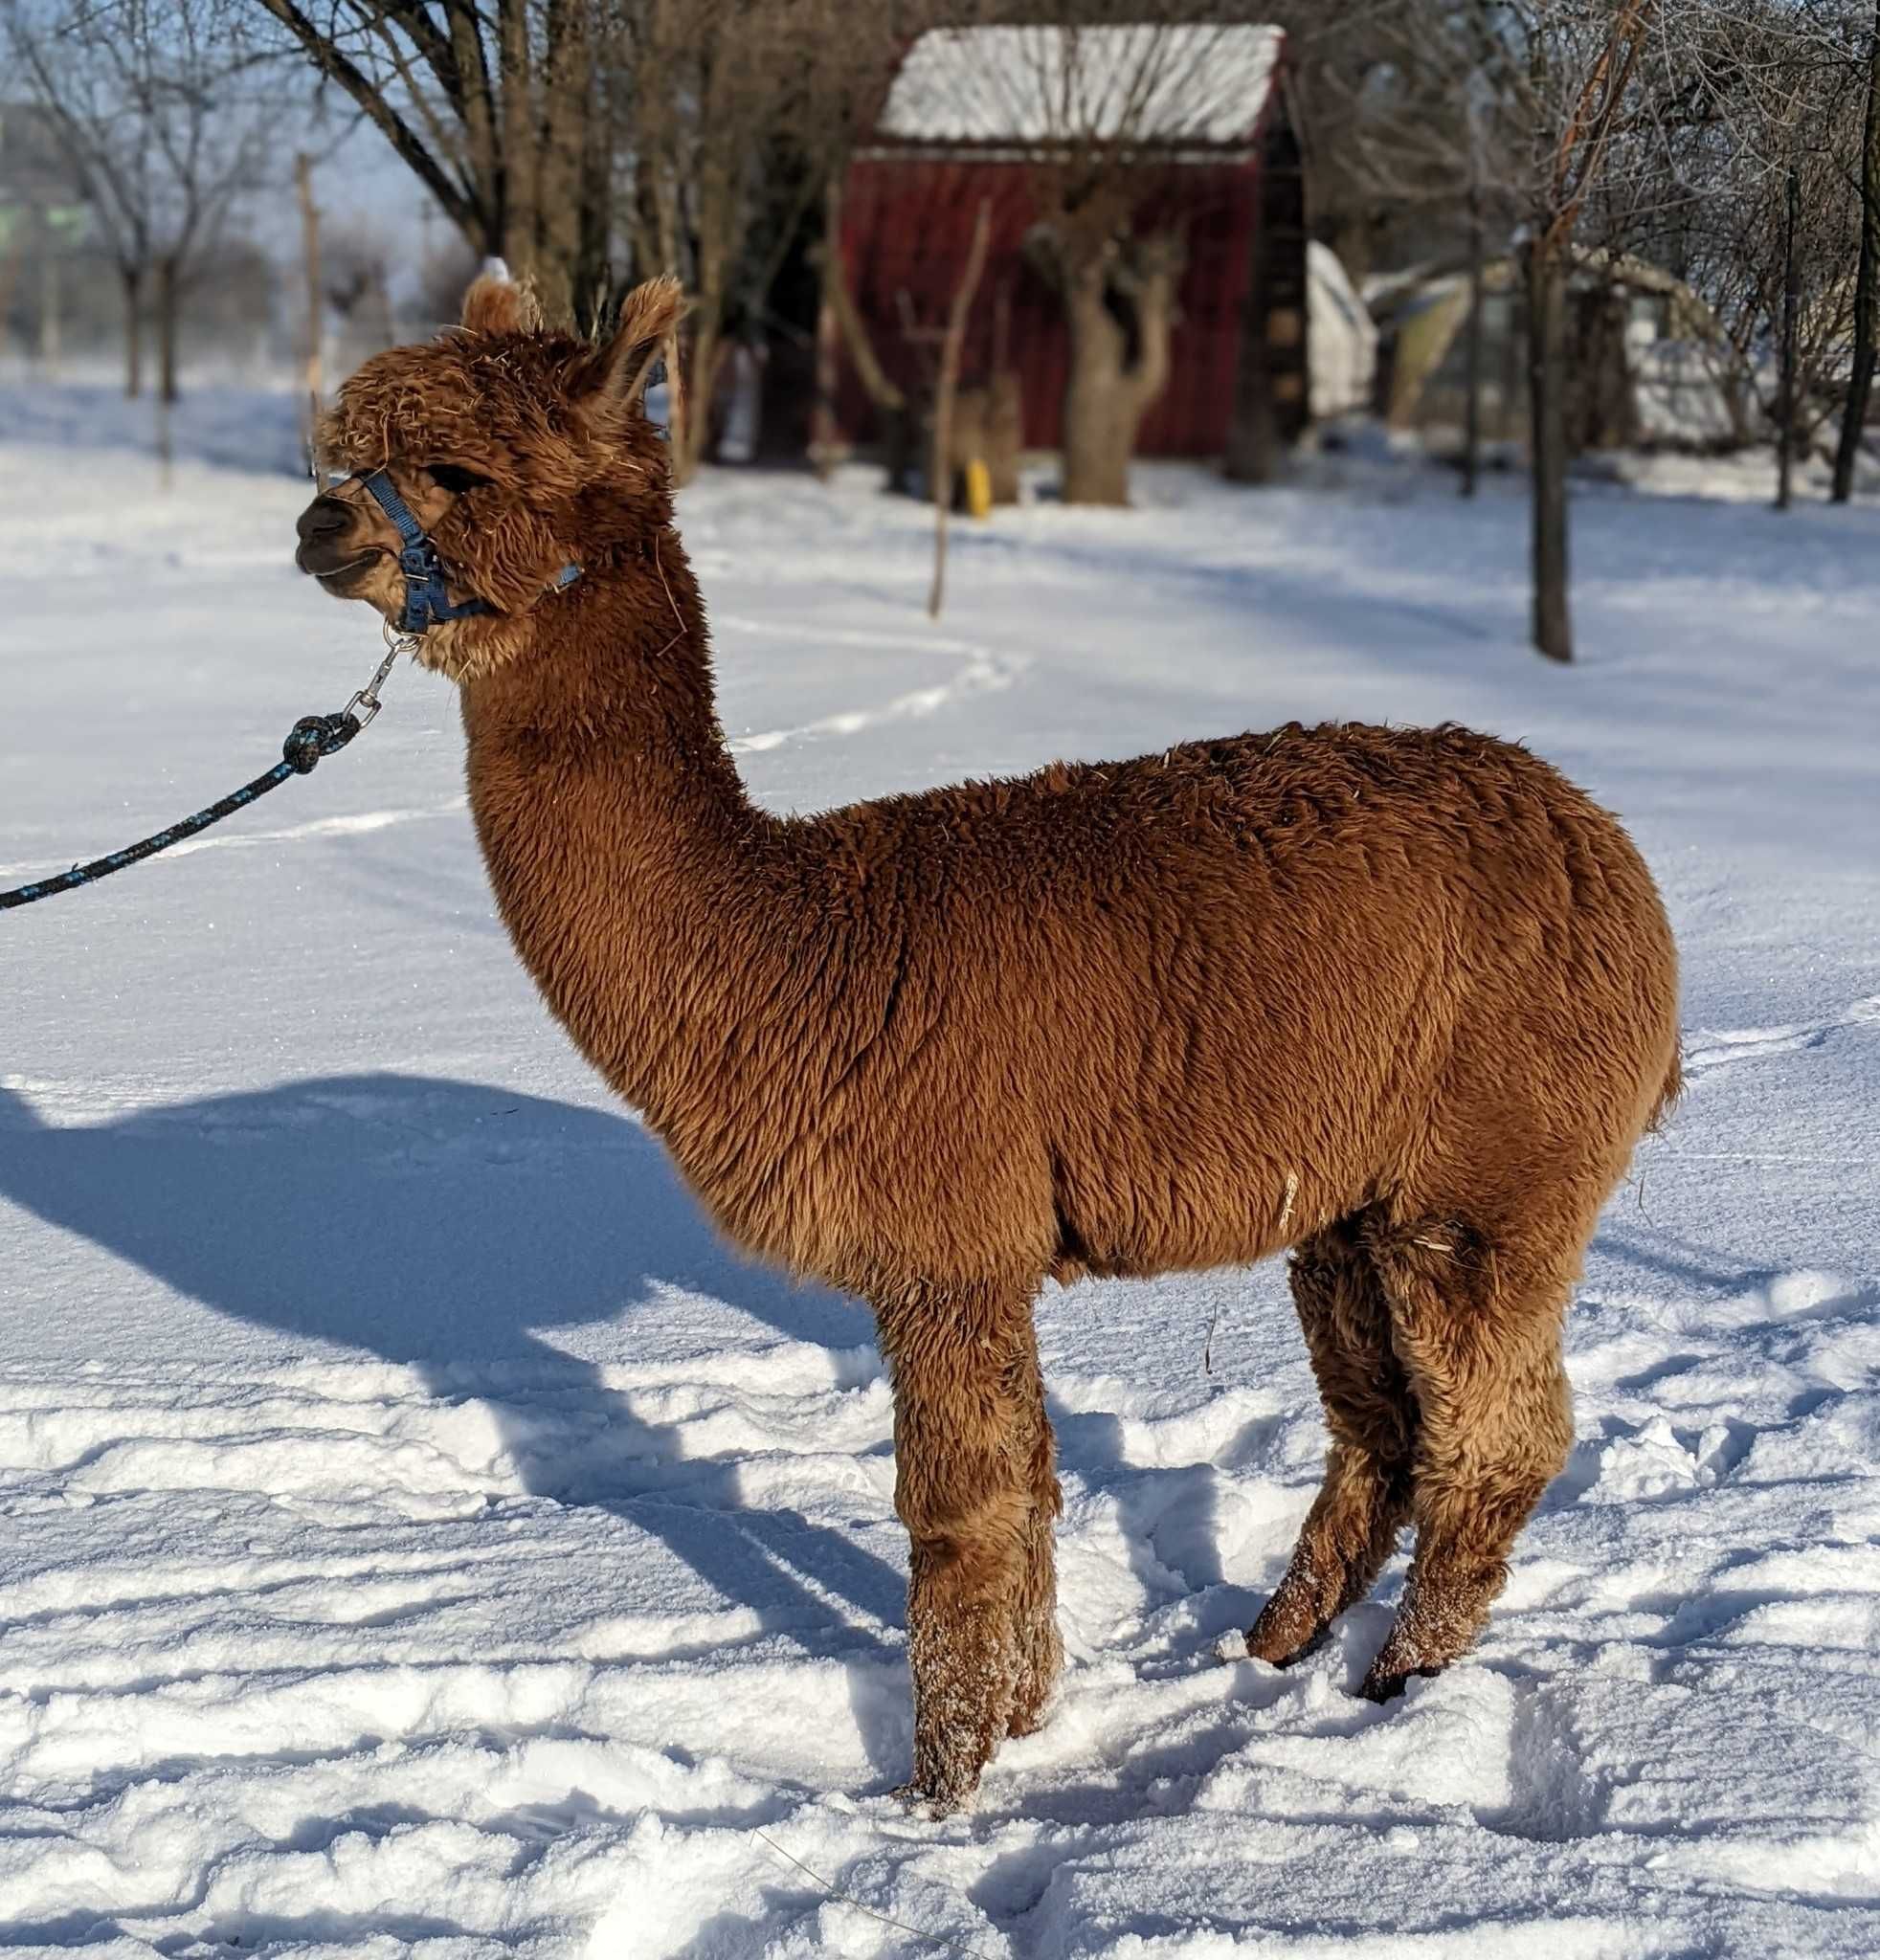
(1153, 84)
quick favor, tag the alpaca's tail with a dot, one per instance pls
(1668, 1094)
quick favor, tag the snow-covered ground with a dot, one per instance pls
(421, 1534)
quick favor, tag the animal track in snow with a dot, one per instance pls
(1711, 1048)
(980, 672)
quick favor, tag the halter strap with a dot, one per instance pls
(427, 597)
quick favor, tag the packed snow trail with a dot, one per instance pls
(423, 1534)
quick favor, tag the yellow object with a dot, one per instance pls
(979, 489)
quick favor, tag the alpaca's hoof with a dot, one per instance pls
(1282, 1635)
(1029, 1721)
(1392, 1665)
(933, 1804)
(1284, 1649)
(1381, 1687)
(1387, 1680)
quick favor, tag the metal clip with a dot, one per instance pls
(363, 707)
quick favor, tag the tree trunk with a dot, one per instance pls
(553, 176)
(1867, 282)
(51, 342)
(130, 278)
(824, 427)
(1472, 341)
(169, 300)
(690, 434)
(1272, 377)
(564, 117)
(1107, 394)
(1785, 403)
(1547, 318)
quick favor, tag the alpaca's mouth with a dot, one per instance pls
(333, 576)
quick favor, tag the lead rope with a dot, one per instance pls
(311, 738)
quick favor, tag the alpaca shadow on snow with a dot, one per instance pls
(448, 1227)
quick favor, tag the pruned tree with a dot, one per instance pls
(1104, 113)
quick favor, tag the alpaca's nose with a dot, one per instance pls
(325, 517)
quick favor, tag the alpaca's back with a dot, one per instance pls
(1180, 1010)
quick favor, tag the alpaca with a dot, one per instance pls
(1401, 1000)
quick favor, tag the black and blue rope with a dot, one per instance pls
(313, 736)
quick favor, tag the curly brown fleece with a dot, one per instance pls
(1401, 1000)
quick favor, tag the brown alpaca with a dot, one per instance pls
(1401, 1000)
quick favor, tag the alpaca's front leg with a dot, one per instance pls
(1040, 1648)
(974, 1487)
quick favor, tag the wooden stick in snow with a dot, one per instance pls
(940, 471)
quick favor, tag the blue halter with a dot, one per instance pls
(427, 598)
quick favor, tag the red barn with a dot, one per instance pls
(1199, 112)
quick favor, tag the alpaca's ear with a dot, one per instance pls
(617, 369)
(496, 304)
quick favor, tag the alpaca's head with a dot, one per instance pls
(520, 451)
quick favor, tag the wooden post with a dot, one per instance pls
(1547, 307)
(828, 337)
(310, 247)
(1473, 331)
(50, 303)
(940, 470)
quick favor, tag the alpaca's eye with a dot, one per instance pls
(449, 477)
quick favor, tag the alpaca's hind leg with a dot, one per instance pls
(1353, 1525)
(1477, 1325)
(1041, 1649)
(975, 1486)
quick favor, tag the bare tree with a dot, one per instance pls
(1424, 140)
(1774, 221)
(1579, 100)
(498, 110)
(1560, 122)
(741, 115)
(149, 101)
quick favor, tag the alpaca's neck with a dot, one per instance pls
(625, 857)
